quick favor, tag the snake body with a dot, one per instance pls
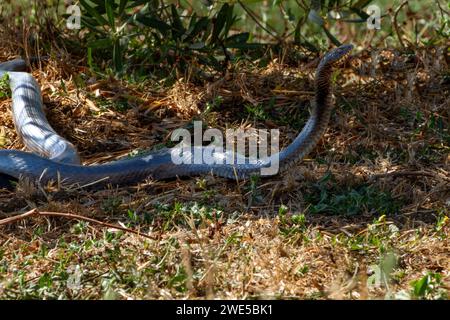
(56, 159)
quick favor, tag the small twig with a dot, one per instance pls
(394, 22)
(36, 212)
(254, 18)
(406, 173)
(18, 217)
(442, 9)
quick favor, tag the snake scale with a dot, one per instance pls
(52, 158)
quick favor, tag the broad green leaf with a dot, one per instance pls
(335, 41)
(110, 13)
(193, 21)
(177, 25)
(239, 38)
(230, 21)
(221, 18)
(100, 19)
(91, 24)
(420, 286)
(199, 26)
(122, 6)
(244, 46)
(117, 57)
(153, 22)
(297, 33)
(98, 2)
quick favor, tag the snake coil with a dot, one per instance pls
(56, 159)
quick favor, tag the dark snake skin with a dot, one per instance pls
(56, 159)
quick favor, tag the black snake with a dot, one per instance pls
(56, 159)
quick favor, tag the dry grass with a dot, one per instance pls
(375, 188)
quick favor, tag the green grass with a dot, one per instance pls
(429, 287)
(328, 197)
(110, 267)
(5, 91)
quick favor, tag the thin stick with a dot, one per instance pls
(254, 18)
(442, 9)
(18, 217)
(397, 31)
(36, 212)
(407, 173)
